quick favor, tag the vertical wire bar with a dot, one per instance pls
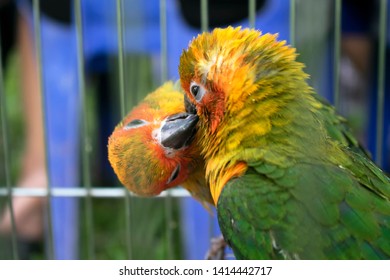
(204, 15)
(293, 22)
(144, 70)
(132, 68)
(164, 67)
(123, 112)
(120, 57)
(337, 53)
(4, 132)
(169, 217)
(86, 143)
(38, 49)
(163, 40)
(252, 13)
(381, 80)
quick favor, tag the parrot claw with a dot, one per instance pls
(217, 249)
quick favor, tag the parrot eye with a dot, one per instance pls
(197, 91)
(174, 174)
(135, 123)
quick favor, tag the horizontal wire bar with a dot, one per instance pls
(115, 192)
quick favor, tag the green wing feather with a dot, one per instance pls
(337, 128)
(310, 210)
(327, 214)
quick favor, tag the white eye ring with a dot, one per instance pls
(197, 91)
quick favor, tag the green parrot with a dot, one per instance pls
(288, 179)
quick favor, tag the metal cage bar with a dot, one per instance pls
(114, 192)
(252, 13)
(121, 58)
(87, 191)
(163, 40)
(381, 81)
(38, 48)
(121, 64)
(293, 22)
(168, 208)
(204, 15)
(337, 53)
(4, 132)
(86, 147)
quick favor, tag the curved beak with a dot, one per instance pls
(178, 130)
(190, 107)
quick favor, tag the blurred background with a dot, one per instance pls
(67, 67)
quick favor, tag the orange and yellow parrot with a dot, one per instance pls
(151, 149)
(288, 179)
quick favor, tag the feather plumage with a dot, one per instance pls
(288, 178)
(139, 160)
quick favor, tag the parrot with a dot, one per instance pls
(148, 159)
(287, 177)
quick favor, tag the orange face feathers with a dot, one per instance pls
(140, 161)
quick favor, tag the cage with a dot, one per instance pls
(94, 60)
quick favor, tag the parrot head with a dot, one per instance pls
(151, 149)
(221, 69)
(245, 87)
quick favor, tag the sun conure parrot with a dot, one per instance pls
(139, 153)
(287, 177)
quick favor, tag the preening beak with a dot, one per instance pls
(178, 130)
(190, 107)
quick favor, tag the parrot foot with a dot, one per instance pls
(217, 249)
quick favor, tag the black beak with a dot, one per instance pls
(179, 130)
(190, 107)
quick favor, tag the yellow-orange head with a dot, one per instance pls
(139, 158)
(247, 88)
